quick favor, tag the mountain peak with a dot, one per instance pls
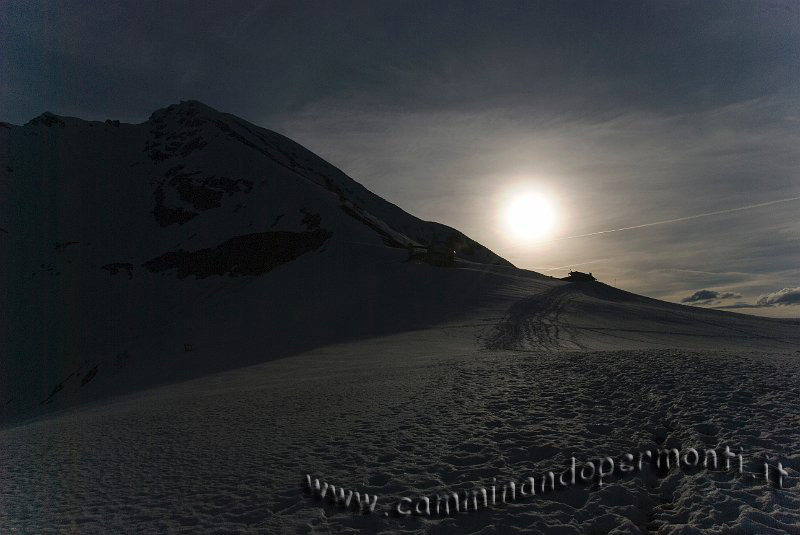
(183, 112)
(46, 119)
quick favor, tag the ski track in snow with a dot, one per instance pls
(408, 415)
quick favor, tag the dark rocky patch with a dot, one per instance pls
(310, 219)
(165, 215)
(116, 267)
(158, 156)
(199, 196)
(172, 171)
(182, 142)
(206, 193)
(61, 246)
(229, 185)
(195, 144)
(250, 254)
(202, 193)
(112, 122)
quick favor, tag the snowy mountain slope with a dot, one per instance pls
(189, 161)
(119, 243)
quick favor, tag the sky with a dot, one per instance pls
(621, 113)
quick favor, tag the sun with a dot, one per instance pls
(530, 217)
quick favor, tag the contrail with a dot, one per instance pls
(654, 223)
(677, 219)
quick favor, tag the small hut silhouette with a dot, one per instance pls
(578, 276)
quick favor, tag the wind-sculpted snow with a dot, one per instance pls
(413, 415)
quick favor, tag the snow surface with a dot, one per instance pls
(347, 363)
(420, 412)
(415, 414)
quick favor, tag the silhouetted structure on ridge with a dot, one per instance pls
(579, 276)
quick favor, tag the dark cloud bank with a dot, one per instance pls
(702, 296)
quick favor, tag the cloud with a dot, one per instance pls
(700, 295)
(706, 296)
(786, 296)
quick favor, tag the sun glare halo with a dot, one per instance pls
(530, 217)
